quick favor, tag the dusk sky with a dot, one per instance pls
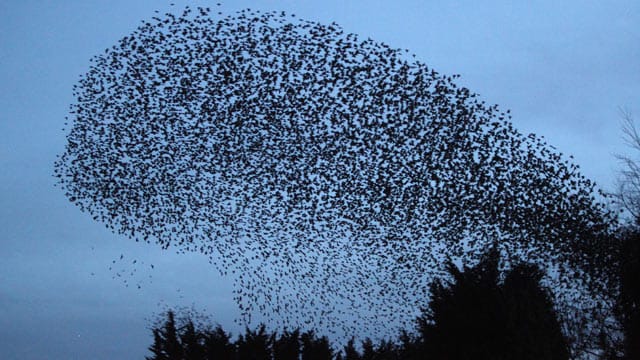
(564, 68)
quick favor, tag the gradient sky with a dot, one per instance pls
(564, 68)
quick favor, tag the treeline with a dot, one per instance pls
(476, 315)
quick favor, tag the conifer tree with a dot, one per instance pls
(287, 346)
(476, 316)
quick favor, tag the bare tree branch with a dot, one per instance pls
(628, 182)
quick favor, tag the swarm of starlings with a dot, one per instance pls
(329, 175)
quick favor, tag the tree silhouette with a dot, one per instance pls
(350, 352)
(287, 346)
(255, 345)
(630, 295)
(628, 192)
(315, 348)
(183, 340)
(157, 348)
(624, 254)
(533, 327)
(288, 150)
(479, 317)
(217, 344)
(368, 350)
(166, 345)
(626, 272)
(192, 343)
(410, 346)
(474, 317)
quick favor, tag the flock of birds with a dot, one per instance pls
(330, 176)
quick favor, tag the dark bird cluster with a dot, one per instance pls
(329, 175)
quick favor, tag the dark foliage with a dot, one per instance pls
(183, 340)
(475, 316)
(350, 352)
(627, 309)
(625, 271)
(254, 345)
(287, 346)
(315, 348)
(478, 316)
(192, 343)
(533, 329)
(217, 344)
(166, 344)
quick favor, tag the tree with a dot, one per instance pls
(192, 342)
(287, 346)
(533, 327)
(368, 350)
(410, 346)
(516, 315)
(477, 316)
(255, 345)
(315, 348)
(624, 269)
(166, 345)
(217, 344)
(157, 348)
(182, 339)
(628, 192)
(350, 351)
(628, 304)
(386, 350)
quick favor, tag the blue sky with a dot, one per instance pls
(563, 68)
